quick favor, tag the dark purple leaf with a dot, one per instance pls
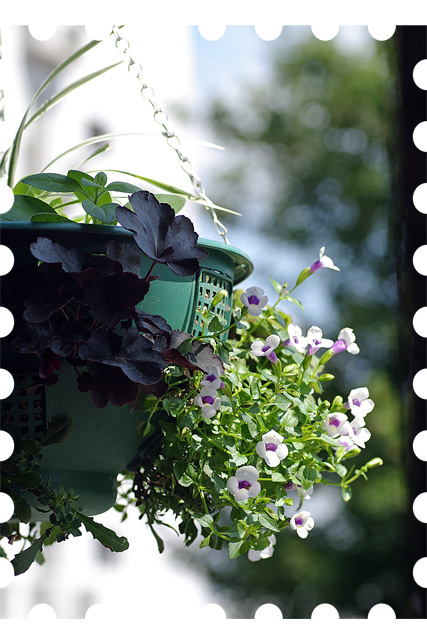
(107, 384)
(160, 234)
(157, 389)
(127, 254)
(71, 260)
(151, 324)
(132, 353)
(200, 357)
(114, 298)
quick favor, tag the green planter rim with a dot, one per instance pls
(243, 266)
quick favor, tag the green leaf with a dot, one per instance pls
(22, 508)
(160, 543)
(52, 182)
(176, 202)
(51, 217)
(184, 473)
(204, 520)
(268, 522)
(30, 480)
(101, 179)
(215, 325)
(235, 548)
(58, 431)
(185, 346)
(105, 536)
(276, 476)
(24, 207)
(123, 187)
(295, 301)
(106, 213)
(277, 286)
(23, 560)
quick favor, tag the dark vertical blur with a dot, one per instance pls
(410, 233)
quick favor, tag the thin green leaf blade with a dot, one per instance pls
(105, 536)
(23, 560)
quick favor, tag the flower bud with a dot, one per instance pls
(375, 462)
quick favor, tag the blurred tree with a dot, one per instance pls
(308, 162)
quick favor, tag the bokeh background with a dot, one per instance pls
(310, 158)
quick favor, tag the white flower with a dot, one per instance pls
(208, 401)
(315, 340)
(359, 402)
(347, 442)
(358, 432)
(323, 261)
(296, 338)
(346, 342)
(244, 484)
(212, 379)
(303, 493)
(302, 523)
(336, 424)
(271, 448)
(254, 555)
(260, 348)
(254, 299)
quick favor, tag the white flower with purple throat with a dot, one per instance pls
(302, 523)
(244, 484)
(260, 348)
(212, 379)
(208, 401)
(345, 342)
(272, 448)
(315, 340)
(359, 402)
(254, 299)
(254, 555)
(296, 338)
(323, 261)
(358, 433)
(303, 493)
(336, 424)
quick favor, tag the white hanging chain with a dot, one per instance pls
(161, 117)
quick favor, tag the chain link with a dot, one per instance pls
(162, 119)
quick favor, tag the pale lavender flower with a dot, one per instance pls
(323, 261)
(347, 442)
(336, 424)
(346, 342)
(303, 493)
(244, 484)
(359, 402)
(208, 401)
(272, 449)
(254, 555)
(213, 379)
(260, 348)
(358, 432)
(302, 523)
(254, 299)
(316, 341)
(296, 339)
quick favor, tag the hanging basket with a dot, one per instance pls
(103, 442)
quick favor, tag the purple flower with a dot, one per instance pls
(345, 342)
(296, 338)
(323, 261)
(336, 424)
(244, 484)
(316, 341)
(254, 555)
(359, 402)
(302, 523)
(254, 299)
(212, 379)
(272, 449)
(208, 401)
(259, 348)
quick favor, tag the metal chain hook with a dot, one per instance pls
(162, 119)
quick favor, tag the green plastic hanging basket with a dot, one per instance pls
(103, 442)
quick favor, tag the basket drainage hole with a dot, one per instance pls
(23, 418)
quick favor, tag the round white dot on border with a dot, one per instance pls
(268, 612)
(6, 573)
(420, 322)
(212, 613)
(420, 198)
(97, 31)
(6, 383)
(268, 31)
(97, 612)
(381, 612)
(420, 572)
(420, 74)
(6, 197)
(6, 322)
(420, 136)
(420, 260)
(420, 507)
(381, 31)
(419, 383)
(212, 31)
(7, 445)
(42, 611)
(6, 259)
(325, 31)
(325, 612)
(420, 445)
(7, 507)
(42, 31)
